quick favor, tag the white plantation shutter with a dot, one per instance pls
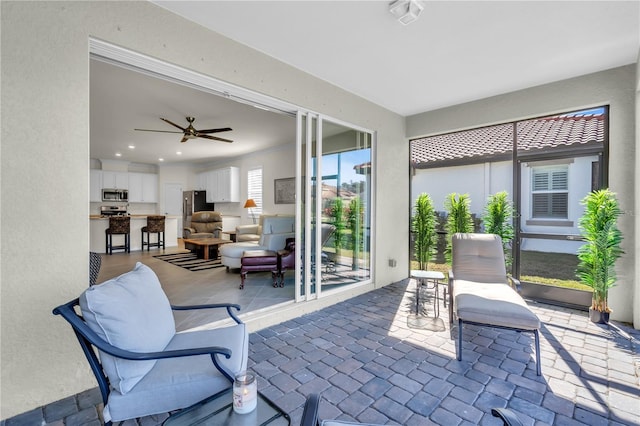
(254, 188)
(550, 192)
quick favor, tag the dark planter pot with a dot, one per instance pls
(598, 317)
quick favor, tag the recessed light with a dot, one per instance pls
(160, 159)
(132, 147)
(118, 154)
(179, 152)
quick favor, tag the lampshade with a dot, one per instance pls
(249, 203)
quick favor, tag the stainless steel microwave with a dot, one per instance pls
(115, 195)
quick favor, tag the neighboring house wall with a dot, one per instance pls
(482, 180)
(477, 180)
(45, 80)
(616, 87)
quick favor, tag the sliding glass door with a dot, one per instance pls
(335, 163)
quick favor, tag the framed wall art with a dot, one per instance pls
(285, 191)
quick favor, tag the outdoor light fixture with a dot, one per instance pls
(406, 11)
(249, 204)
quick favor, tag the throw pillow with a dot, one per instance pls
(130, 312)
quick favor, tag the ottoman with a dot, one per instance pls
(259, 260)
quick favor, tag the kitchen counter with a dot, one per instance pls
(98, 224)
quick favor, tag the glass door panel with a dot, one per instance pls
(344, 206)
(552, 181)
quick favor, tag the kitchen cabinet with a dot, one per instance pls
(143, 188)
(223, 185)
(95, 185)
(115, 180)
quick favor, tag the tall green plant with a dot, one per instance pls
(337, 213)
(498, 220)
(423, 226)
(355, 216)
(458, 207)
(599, 229)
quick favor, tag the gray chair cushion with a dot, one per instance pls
(181, 382)
(493, 303)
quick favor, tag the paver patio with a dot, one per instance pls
(370, 366)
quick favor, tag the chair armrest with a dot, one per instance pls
(310, 413)
(228, 306)
(186, 232)
(80, 327)
(515, 283)
(450, 289)
(508, 417)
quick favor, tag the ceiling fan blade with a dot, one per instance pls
(161, 131)
(184, 139)
(215, 138)
(173, 124)
(225, 129)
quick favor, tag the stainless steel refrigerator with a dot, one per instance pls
(194, 201)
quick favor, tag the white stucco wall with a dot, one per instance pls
(45, 163)
(617, 88)
(477, 180)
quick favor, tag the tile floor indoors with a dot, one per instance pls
(371, 364)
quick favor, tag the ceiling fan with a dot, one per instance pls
(191, 132)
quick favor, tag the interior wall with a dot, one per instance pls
(45, 79)
(276, 163)
(617, 88)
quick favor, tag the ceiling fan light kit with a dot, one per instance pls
(191, 132)
(406, 11)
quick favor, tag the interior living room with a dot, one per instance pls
(437, 75)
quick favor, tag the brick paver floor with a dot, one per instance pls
(369, 365)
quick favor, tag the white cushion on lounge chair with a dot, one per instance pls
(493, 303)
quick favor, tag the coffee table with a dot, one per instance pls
(218, 410)
(205, 245)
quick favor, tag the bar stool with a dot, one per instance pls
(118, 225)
(155, 225)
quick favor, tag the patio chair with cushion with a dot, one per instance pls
(483, 294)
(143, 367)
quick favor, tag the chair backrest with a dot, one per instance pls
(119, 225)
(326, 232)
(95, 262)
(155, 224)
(206, 221)
(478, 257)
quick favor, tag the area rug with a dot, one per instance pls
(189, 261)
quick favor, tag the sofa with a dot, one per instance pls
(205, 224)
(274, 233)
(248, 232)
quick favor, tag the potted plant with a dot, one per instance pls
(355, 219)
(498, 220)
(459, 218)
(424, 227)
(597, 257)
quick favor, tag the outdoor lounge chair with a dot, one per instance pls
(482, 293)
(143, 367)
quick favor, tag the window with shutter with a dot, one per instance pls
(550, 192)
(254, 189)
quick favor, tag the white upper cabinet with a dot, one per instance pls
(95, 185)
(143, 188)
(115, 180)
(222, 185)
